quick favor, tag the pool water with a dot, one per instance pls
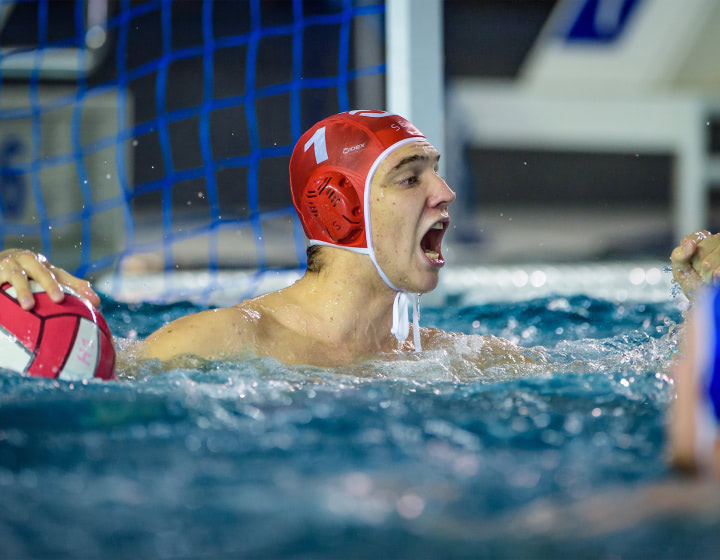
(416, 457)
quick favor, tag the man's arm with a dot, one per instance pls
(682, 429)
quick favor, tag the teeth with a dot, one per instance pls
(432, 255)
(438, 225)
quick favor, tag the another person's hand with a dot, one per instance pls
(696, 261)
(18, 266)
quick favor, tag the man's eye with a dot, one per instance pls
(410, 181)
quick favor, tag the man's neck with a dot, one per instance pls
(348, 302)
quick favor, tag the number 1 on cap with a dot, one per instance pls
(318, 140)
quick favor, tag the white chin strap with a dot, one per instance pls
(401, 324)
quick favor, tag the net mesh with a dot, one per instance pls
(155, 136)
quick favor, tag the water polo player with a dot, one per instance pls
(367, 192)
(366, 188)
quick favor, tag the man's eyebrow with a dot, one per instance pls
(414, 158)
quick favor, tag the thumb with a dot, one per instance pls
(79, 285)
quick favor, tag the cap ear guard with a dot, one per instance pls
(332, 201)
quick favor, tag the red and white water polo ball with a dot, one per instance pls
(68, 340)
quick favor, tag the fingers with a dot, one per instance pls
(37, 268)
(682, 267)
(18, 266)
(15, 275)
(689, 244)
(688, 278)
(83, 287)
(696, 261)
(706, 260)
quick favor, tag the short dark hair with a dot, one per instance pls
(315, 260)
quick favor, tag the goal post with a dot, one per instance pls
(415, 65)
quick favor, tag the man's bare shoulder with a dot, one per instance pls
(211, 334)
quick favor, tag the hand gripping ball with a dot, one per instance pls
(68, 340)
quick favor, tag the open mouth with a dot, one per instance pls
(432, 241)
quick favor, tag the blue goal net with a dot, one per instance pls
(153, 137)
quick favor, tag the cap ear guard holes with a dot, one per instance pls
(333, 204)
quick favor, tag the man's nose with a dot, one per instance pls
(442, 193)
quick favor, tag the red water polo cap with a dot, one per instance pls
(331, 169)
